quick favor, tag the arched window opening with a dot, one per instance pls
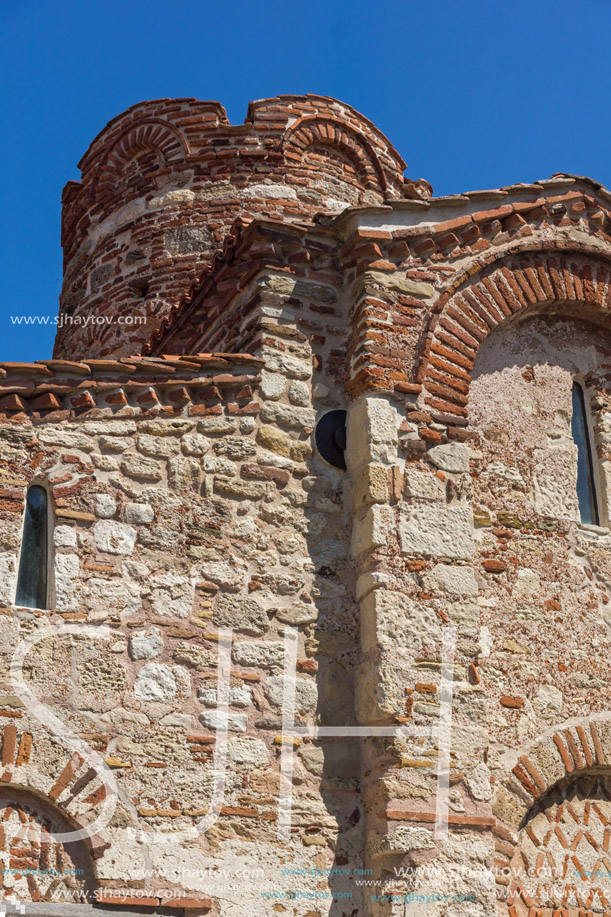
(586, 488)
(32, 581)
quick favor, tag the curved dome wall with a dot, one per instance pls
(162, 184)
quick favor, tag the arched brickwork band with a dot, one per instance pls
(309, 132)
(73, 787)
(164, 183)
(576, 281)
(39, 807)
(553, 817)
(155, 135)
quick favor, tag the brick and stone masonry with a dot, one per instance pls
(287, 268)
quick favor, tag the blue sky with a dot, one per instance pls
(473, 94)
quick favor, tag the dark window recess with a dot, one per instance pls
(34, 561)
(586, 491)
(331, 438)
(141, 288)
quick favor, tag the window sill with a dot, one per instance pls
(594, 529)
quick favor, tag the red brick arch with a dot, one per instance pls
(155, 134)
(73, 787)
(575, 280)
(570, 752)
(316, 131)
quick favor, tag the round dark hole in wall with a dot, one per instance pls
(331, 438)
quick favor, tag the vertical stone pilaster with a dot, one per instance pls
(412, 544)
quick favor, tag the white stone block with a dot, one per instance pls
(172, 596)
(278, 362)
(176, 720)
(216, 719)
(369, 581)
(241, 613)
(287, 415)
(389, 618)
(548, 700)
(64, 536)
(106, 595)
(527, 583)
(136, 513)
(252, 752)
(114, 538)
(423, 485)
(478, 781)
(299, 393)
(372, 530)
(402, 840)
(8, 577)
(195, 444)
(67, 439)
(109, 427)
(162, 446)
(436, 530)
(306, 693)
(146, 644)
(239, 696)
(105, 506)
(272, 385)
(155, 682)
(372, 432)
(66, 572)
(452, 457)
(456, 580)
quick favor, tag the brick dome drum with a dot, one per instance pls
(163, 183)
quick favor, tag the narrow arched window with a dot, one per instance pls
(32, 581)
(586, 488)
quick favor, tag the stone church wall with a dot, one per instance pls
(186, 498)
(447, 566)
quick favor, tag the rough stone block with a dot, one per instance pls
(172, 595)
(272, 385)
(262, 654)
(372, 530)
(437, 531)
(146, 644)
(371, 486)
(243, 614)
(239, 696)
(155, 682)
(391, 617)
(287, 415)
(114, 537)
(455, 580)
(64, 536)
(372, 432)
(67, 568)
(136, 466)
(423, 485)
(105, 506)
(287, 364)
(306, 693)
(402, 840)
(136, 513)
(216, 719)
(451, 457)
(162, 446)
(195, 444)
